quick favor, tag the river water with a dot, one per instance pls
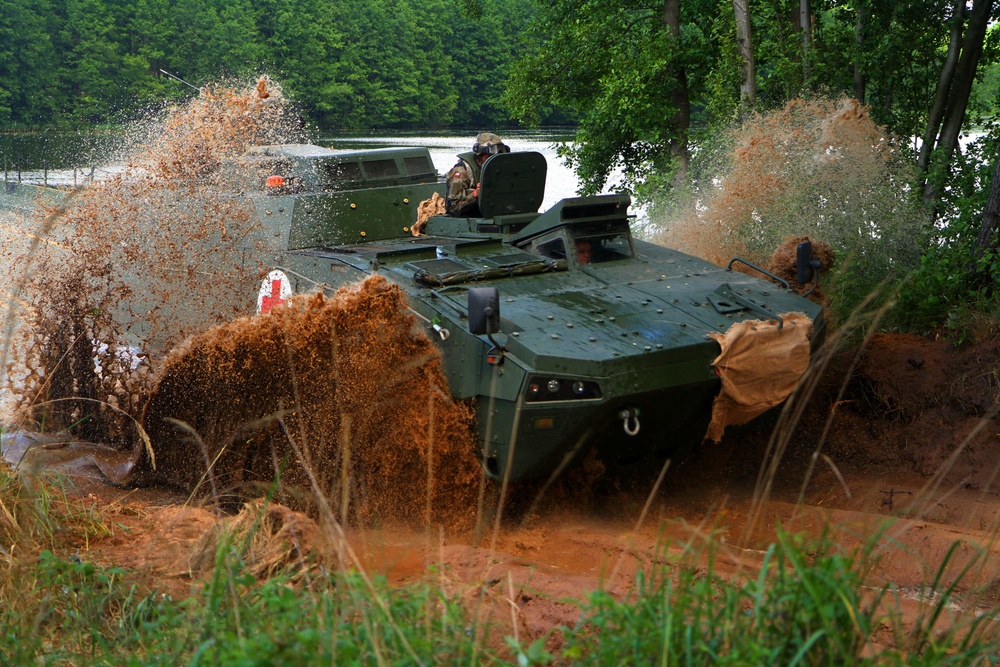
(72, 158)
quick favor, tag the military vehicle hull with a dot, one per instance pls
(606, 349)
(612, 354)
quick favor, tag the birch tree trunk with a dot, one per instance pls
(680, 97)
(744, 41)
(991, 216)
(860, 80)
(805, 20)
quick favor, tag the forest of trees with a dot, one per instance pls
(648, 78)
(649, 85)
(349, 63)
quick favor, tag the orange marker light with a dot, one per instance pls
(275, 181)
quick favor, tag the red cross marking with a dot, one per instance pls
(269, 302)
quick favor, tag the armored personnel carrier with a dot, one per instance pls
(564, 331)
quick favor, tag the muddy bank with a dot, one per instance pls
(872, 476)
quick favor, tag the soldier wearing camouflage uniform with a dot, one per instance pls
(463, 179)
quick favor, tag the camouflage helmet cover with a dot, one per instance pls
(487, 142)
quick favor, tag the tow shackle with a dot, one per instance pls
(630, 420)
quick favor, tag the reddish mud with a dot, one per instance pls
(912, 450)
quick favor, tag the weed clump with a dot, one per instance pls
(38, 514)
(808, 603)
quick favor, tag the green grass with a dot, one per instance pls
(808, 603)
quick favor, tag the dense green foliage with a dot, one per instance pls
(615, 64)
(956, 284)
(353, 63)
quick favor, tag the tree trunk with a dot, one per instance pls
(805, 19)
(991, 216)
(680, 97)
(860, 81)
(936, 113)
(961, 88)
(744, 41)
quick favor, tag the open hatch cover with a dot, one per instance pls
(457, 270)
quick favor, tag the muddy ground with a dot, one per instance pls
(911, 448)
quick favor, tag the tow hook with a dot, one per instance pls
(441, 331)
(630, 415)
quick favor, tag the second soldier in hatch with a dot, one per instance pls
(463, 179)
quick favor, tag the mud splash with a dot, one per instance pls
(128, 267)
(818, 168)
(127, 318)
(326, 404)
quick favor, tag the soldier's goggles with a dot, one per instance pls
(493, 149)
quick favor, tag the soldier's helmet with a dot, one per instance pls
(489, 143)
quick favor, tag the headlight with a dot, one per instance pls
(561, 389)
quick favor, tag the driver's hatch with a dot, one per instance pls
(449, 269)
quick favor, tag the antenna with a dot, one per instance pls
(177, 78)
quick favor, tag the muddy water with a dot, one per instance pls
(818, 168)
(131, 266)
(333, 405)
(343, 399)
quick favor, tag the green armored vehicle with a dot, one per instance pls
(564, 331)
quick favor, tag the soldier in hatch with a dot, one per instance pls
(463, 179)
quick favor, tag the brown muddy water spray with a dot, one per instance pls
(819, 168)
(115, 302)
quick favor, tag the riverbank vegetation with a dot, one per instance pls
(808, 602)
